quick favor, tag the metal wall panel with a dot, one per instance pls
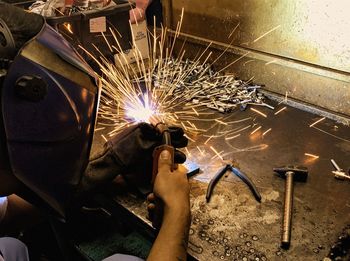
(305, 52)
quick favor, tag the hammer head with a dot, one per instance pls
(300, 173)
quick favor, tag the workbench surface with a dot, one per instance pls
(233, 225)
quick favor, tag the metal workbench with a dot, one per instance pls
(233, 225)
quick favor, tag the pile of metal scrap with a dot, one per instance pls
(199, 84)
(52, 8)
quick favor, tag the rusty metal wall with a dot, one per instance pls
(297, 46)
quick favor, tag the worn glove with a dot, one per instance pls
(130, 154)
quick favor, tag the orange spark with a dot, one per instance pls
(313, 124)
(233, 137)
(259, 112)
(311, 155)
(266, 132)
(217, 153)
(277, 112)
(104, 137)
(208, 139)
(268, 32)
(195, 111)
(221, 122)
(189, 138)
(258, 128)
(200, 150)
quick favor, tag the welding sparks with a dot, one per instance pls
(187, 151)
(189, 138)
(268, 32)
(221, 122)
(200, 151)
(279, 111)
(216, 153)
(259, 112)
(173, 89)
(233, 137)
(68, 26)
(195, 111)
(254, 131)
(267, 131)
(318, 121)
(104, 137)
(312, 155)
(99, 129)
(208, 139)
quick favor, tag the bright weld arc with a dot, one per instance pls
(312, 155)
(259, 112)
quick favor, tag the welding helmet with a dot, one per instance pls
(49, 101)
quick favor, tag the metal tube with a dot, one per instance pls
(288, 210)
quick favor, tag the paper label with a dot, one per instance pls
(140, 42)
(98, 24)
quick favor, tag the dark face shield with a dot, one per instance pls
(16, 28)
(49, 106)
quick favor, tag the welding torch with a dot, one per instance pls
(165, 145)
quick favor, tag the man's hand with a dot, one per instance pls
(139, 12)
(172, 188)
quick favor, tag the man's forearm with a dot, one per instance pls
(171, 242)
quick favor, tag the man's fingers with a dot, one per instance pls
(164, 161)
(151, 197)
(151, 206)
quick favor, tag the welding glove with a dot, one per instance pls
(129, 153)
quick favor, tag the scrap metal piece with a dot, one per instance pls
(199, 84)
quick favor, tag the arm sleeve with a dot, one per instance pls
(3, 207)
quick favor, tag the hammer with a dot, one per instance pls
(291, 173)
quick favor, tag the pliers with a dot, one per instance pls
(238, 173)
